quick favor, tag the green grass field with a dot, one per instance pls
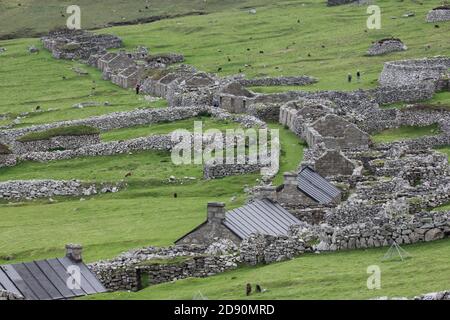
(405, 133)
(295, 37)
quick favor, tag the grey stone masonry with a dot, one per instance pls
(414, 72)
(33, 189)
(385, 46)
(439, 14)
(211, 229)
(278, 81)
(126, 271)
(55, 143)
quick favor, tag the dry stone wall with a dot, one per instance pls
(33, 189)
(159, 265)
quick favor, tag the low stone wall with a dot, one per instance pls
(156, 142)
(278, 81)
(33, 189)
(54, 143)
(421, 227)
(160, 265)
(214, 171)
(424, 226)
(118, 120)
(115, 120)
(414, 72)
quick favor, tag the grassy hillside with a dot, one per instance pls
(288, 37)
(24, 18)
(341, 275)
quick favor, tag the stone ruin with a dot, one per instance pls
(439, 14)
(78, 44)
(385, 46)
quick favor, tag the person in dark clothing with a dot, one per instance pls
(138, 88)
(358, 75)
(349, 78)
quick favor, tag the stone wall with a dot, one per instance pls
(339, 2)
(220, 170)
(278, 81)
(159, 265)
(8, 160)
(33, 189)
(421, 227)
(55, 143)
(414, 72)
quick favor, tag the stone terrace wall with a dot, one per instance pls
(32, 189)
(156, 142)
(115, 120)
(61, 142)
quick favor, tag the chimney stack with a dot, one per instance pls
(216, 212)
(74, 251)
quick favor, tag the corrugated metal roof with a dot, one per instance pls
(260, 216)
(47, 279)
(317, 187)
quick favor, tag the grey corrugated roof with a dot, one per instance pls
(47, 279)
(317, 187)
(260, 216)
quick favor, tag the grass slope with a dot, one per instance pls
(146, 213)
(340, 275)
(405, 133)
(19, 18)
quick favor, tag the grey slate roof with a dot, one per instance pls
(260, 216)
(317, 187)
(47, 280)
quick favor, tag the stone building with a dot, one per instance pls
(261, 216)
(335, 132)
(334, 163)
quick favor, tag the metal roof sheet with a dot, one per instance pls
(317, 187)
(47, 279)
(260, 216)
